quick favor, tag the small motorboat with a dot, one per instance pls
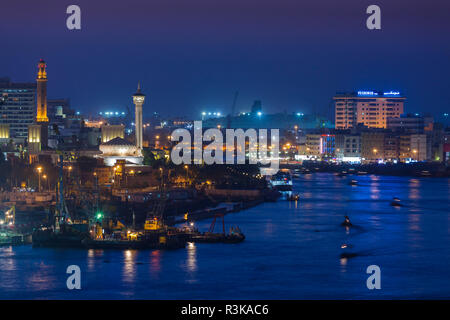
(346, 222)
(353, 183)
(396, 202)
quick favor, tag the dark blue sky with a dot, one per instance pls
(192, 55)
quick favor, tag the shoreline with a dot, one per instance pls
(424, 170)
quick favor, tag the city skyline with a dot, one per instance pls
(293, 64)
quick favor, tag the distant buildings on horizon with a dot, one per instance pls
(369, 126)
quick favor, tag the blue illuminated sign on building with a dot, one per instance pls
(392, 93)
(367, 93)
(375, 93)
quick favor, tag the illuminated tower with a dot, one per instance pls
(138, 100)
(41, 115)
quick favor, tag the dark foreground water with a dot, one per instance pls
(292, 251)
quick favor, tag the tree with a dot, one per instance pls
(149, 157)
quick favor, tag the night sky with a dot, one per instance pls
(192, 55)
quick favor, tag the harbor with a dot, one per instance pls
(403, 241)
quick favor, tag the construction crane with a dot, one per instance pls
(62, 213)
(155, 219)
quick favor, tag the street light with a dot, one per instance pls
(39, 169)
(44, 176)
(187, 171)
(415, 154)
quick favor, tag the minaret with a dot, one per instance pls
(138, 100)
(41, 115)
(38, 132)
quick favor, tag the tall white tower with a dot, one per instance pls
(138, 100)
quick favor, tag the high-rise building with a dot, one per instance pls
(370, 108)
(138, 100)
(17, 107)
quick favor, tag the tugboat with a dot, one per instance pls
(234, 236)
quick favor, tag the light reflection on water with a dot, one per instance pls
(129, 266)
(191, 257)
(292, 250)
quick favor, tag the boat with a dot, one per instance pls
(353, 182)
(233, 236)
(9, 235)
(346, 222)
(162, 241)
(396, 202)
(281, 181)
(10, 238)
(296, 174)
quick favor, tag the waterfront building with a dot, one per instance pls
(419, 147)
(391, 147)
(17, 107)
(352, 148)
(413, 147)
(313, 145)
(435, 142)
(372, 146)
(327, 145)
(370, 108)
